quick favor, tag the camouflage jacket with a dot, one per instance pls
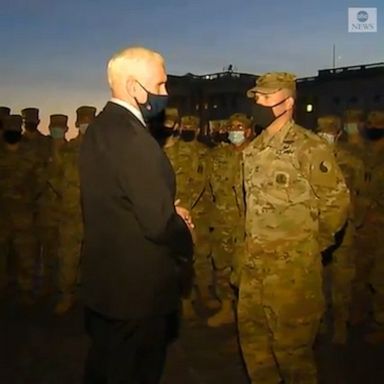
(295, 191)
(189, 163)
(226, 184)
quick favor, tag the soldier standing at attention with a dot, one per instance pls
(188, 158)
(296, 200)
(227, 216)
(71, 224)
(18, 188)
(343, 253)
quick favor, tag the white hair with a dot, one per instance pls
(128, 62)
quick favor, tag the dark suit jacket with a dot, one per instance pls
(133, 238)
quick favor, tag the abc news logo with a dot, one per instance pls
(362, 19)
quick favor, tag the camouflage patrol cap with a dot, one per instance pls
(30, 115)
(58, 121)
(85, 114)
(4, 111)
(191, 120)
(13, 123)
(241, 117)
(353, 115)
(375, 119)
(271, 82)
(329, 123)
(171, 116)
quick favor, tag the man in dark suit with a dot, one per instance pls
(135, 237)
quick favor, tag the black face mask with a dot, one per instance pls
(166, 132)
(264, 116)
(220, 137)
(374, 134)
(188, 135)
(31, 126)
(11, 137)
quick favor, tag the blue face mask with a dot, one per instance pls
(236, 137)
(154, 104)
(57, 133)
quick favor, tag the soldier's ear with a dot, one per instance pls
(290, 102)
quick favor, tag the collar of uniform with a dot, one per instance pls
(130, 108)
(276, 140)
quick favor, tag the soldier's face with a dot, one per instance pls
(236, 125)
(31, 126)
(280, 101)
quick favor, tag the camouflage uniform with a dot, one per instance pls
(189, 163)
(71, 223)
(227, 215)
(47, 202)
(370, 267)
(296, 200)
(344, 253)
(18, 187)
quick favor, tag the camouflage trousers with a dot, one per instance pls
(70, 242)
(202, 256)
(279, 310)
(226, 246)
(48, 243)
(18, 240)
(342, 274)
(368, 284)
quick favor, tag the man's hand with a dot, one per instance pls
(184, 214)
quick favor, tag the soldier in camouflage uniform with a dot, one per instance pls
(227, 215)
(18, 188)
(369, 282)
(48, 205)
(343, 253)
(40, 145)
(188, 158)
(71, 224)
(296, 200)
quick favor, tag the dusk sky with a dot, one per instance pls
(54, 53)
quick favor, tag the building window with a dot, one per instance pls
(215, 106)
(197, 107)
(353, 100)
(309, 108)
(205, 105)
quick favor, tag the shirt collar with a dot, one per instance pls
(277, 139)
(130, 108)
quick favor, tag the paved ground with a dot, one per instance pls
(39, 348)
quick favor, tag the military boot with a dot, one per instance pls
(64, 304)
(224, 316)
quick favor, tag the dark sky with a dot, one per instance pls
(54, 53)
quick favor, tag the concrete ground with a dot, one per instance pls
(40, 348)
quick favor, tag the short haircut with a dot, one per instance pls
(130, 61)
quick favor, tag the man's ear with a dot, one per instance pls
(131, 86)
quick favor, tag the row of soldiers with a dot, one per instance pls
(41, 222)
(266, 210)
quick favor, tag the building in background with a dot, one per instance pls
(219, 95)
